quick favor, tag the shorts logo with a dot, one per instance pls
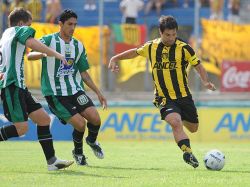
(82, 99)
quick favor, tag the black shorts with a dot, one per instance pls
(184, 106)
(18, 103)
(64, 107)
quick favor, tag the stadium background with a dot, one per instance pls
(223, 47)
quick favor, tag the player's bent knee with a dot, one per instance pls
(47, 119)
(79, 125)
(78, 122)
(21, 128)
(40, 117)
(44, 121)
(97, 122)
(194, 128)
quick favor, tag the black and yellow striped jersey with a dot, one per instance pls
(169, 67)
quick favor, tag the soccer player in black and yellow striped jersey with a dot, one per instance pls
(169, 58)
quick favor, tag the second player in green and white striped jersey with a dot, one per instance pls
(57, 78)
(62, 86)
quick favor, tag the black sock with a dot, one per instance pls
(77, 139)
(185, 145)
(46, 141)
(7, 132)
(92, 132)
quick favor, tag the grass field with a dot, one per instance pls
(125, 164)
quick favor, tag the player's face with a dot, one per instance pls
(28, 23)
(168, 36)
(69, 26)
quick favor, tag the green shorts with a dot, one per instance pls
(64, 107)
(18, 103)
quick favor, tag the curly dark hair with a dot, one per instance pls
(167, 22)
(17, 15)
(67, 14)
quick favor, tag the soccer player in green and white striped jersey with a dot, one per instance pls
(62, 86)
(18, 103)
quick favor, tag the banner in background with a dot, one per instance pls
(90, 38)
(223, 124)
(131, 67)
(210, 63)
(216, 124)
(128, 36)
(235, 76)
(144, 123)
(223, 40)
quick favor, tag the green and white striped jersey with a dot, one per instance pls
(12, 50)
(57, 78)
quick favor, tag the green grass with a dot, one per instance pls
(125, 164)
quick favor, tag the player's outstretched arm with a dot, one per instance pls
(36, 55)
(40, 47)
(131, 53)
(89, 82)
(204, 77)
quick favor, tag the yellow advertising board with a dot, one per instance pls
(140, 123)
(224, 124)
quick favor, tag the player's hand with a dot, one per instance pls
(210, 86)
(113, 66)
(103, 101)
(62, 58)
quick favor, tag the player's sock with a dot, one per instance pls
(46, 141)
(92, 132)
(188, 157)
(51, 160)
(77, 139)
(185, 145)
(7, 132)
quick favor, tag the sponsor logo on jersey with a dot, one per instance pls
(66, 69)
(165, 65)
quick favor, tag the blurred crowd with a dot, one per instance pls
(48, 10)
(53, 9)
(216, 7)
(131, 8)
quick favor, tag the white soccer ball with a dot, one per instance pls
(214, 160)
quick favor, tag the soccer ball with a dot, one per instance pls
(214, 160)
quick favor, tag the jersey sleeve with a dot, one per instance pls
(82, 63)
(24, 33)
(143, 50)
(46, 40)
(190, 56)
